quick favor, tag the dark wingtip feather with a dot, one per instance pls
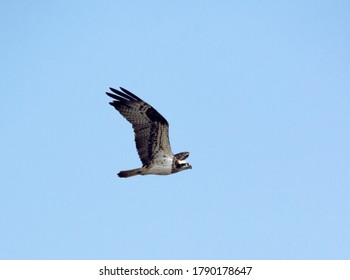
(130, 94)
(114, 90)
(123, 95)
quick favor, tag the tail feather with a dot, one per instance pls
(129, 173)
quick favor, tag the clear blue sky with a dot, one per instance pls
(257, 91)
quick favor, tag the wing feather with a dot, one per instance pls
(150, 127)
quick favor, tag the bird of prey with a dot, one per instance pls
(151, 136)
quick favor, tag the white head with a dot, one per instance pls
(180, 165)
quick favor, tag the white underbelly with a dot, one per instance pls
(161, 166)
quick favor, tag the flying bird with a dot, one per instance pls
(151, 136)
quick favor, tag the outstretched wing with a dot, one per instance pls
(151, 128)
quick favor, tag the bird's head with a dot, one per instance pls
(183, 165)
(180, 164)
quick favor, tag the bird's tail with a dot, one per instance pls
(129, 173)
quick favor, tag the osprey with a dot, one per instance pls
(151, 136)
